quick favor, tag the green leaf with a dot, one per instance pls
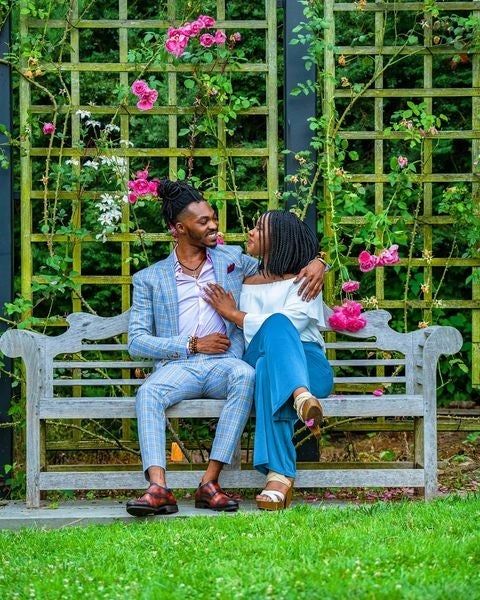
(189, 84)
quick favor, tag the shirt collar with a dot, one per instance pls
(178, 266)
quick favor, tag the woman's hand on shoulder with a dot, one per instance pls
(311, 278)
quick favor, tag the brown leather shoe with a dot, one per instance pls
(157, 500)
(210, 495)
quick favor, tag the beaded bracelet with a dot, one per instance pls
(192, 344)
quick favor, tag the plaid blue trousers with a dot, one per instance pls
(198, 376)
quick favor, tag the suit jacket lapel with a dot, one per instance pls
(220, 266)
(169, 285)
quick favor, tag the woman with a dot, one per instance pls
(283, 343)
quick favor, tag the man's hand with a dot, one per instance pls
(213, 343)
(312, 280)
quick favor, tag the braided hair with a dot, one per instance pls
(291, 242)
(176, 196)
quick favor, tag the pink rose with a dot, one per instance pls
(140, 187)
(337, 321)
(189, 30)
(147, 100)
(350, 308)
(347, 317)
(367, 261)
(139, 87)
(142, 174)
(206, 20)
(176, 42)
(220, 37)
(132, 197)
(378, 392)
(389, 256)
(355, 323)
(48, 128)
(402, 161)
(236, 37)
(350, 286)
(144, 104)
(206, 40)
(196, 27)
(153, 187)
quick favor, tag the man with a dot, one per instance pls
(196, 352)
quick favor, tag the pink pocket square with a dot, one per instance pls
(230, 268)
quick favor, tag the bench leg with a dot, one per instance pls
(425, 454)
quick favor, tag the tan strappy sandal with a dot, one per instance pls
(277, 500)
(309, 411)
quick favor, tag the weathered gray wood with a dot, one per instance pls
(104, 381)
(235, 479)
(101, 364)
(393, 405)
(420, 352)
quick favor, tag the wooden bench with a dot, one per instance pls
(64, 372)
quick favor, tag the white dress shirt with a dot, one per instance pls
(195, 316)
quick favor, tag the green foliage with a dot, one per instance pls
(458, 202)
(15, 481)
(85, 189)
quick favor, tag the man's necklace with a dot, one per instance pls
(193, 271)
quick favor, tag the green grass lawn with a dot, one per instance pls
(386, 550)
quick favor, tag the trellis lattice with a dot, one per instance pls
(98, 82)
(441, 73)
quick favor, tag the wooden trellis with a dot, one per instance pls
(168, 154)
(435, 58)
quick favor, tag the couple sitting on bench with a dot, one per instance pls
(219, 323)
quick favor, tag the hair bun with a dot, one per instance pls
(176, 196)
(169, 190)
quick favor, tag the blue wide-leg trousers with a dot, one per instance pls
(282, 364)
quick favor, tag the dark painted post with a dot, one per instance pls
(297, 136)
(6, 255)
(297, 108)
